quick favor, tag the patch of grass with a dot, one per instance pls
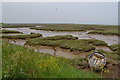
(9, 31)
(107, 31)
(20, 62)
(57, 28)
(83, 62)
(0, 59)
(61, 37)
(81, 45)
(21, 36)
(72, 27)
(4, 25)
(115, 47)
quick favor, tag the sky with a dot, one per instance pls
(0, 12)
(60, 12)
(119, 13)
(60, 0)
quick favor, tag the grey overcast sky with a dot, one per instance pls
(60, 12)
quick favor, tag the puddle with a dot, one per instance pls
(57, 51)
(17, 41)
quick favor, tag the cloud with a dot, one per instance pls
(60, 0)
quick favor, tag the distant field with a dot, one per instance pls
(17, 25)
(107, 31)
(97, 29)
(70, 27)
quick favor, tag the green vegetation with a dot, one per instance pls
(58, 28)
(110, 55)
(21, 36)
(107, 31)
(2, 24)
(20, 62)
(72, 27)
(81, 62)
(61, 37)
(81, 45)
(17, 25)
(115, 47)
(0, 59)
(97, 29)
(9, 31)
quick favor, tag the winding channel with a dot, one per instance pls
(110, 39)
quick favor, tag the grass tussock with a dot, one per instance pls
(61, 37)
(9, 31)
(81, 45)
(20, 62)
(21, 36)
(115, 48)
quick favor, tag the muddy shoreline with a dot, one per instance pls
(56, 50)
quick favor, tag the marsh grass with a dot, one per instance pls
(20, 62)
(107, 31)
(66, 27)
(72, 27)
(9, 31)
(97, 29)
(81, 45)
(22, 36)
(17, 25)
(0, 59)
(115, 47)
(61, 37)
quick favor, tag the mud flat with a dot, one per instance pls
(49, 50)
(56, 51)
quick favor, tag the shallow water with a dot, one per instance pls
(50, 50)
(110, 39)
(17, 41)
